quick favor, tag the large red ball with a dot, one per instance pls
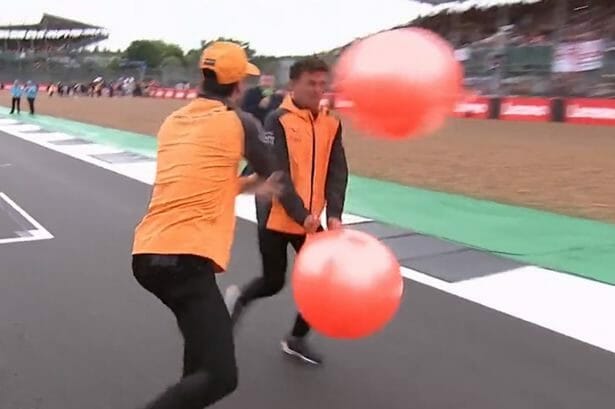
(346, 283)
(401, 83)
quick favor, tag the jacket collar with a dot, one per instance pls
(215, 98)
(289, 105)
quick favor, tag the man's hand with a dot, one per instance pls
(311, 224)
(248, 183)
(273, 186)
(334, 223)
(254, 184)
(264, 102)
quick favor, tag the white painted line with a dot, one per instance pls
(36, 136)
(570, 305)
(88, 149)
(23, 128)
(348, 219)
(7, 121)
(426, 279)
(38, 233)
(245, 208)
(142, 171)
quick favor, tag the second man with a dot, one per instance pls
(307, 143)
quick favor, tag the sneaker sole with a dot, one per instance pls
(286, 349)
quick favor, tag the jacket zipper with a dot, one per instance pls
(313, 162)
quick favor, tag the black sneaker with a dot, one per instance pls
(298, 347)
(233, 305)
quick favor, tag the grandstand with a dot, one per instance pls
(546, 48)
(51, 34)
(533, 47)
(48, 51)
(540, 48)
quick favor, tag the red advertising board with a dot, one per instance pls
(590, 111)
(525, 109)
(173, 93)
(472, 107)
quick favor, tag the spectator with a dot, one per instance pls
(31, 92)
(16, 92)
(262, 99)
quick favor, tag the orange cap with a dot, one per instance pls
(229, 61)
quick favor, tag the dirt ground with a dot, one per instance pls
(563, 168)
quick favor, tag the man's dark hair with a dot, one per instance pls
(211, 86)
(307, 64)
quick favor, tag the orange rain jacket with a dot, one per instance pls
(310, 149)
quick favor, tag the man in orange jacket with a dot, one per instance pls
(308, 144)
(186, 235)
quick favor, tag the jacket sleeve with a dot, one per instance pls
(257, 148)
(290, 200)
(250, 103)
(337, 177)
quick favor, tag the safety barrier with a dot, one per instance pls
(590, 111)
(172, 93)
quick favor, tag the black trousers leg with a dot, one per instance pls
(31, 105)
(187, 285)
(300, 328)
(273, 248)
(14, 105)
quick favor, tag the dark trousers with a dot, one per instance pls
(16, 103)
(273, 247)
(31, 104)
(187, 285)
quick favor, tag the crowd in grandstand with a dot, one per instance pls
(578, 55)
(527, 24)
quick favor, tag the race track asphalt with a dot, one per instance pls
(76, 331)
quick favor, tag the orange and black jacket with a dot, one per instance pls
(308, 148)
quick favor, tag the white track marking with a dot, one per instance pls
(38, 233)
(23, 128)
(39, 136)
(570, 305)
(87, 149)
(8, 121)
